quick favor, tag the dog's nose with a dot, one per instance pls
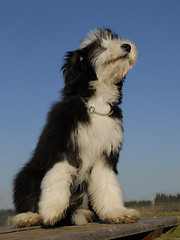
(126, 47)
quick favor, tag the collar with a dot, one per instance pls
(92, 110)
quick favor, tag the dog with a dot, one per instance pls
(71, 176)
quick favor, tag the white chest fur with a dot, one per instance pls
(103, 134)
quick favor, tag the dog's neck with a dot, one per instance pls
(92, 110)
(105, 93)
(104, 97)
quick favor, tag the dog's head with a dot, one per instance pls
(103, 56)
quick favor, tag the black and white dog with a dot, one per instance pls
(74, 166)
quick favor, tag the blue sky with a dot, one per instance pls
(34, 36)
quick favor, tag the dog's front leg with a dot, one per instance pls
(55, 192)
(106, 197)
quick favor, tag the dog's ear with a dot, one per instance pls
(77, 65)
(74, 65)
(78, 72)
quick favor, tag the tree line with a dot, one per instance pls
(160, 198)
(163, 198)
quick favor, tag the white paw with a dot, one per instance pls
(82, 217)
(51, 217)
(120, 216)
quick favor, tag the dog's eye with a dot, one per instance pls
(101, 47)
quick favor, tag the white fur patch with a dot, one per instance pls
(105, 93)
(56, 194)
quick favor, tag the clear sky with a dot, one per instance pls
(34, 36)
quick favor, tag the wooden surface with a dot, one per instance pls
(148, 228)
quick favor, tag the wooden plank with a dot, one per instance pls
(94, 231)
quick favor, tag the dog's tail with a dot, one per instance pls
(27, 219)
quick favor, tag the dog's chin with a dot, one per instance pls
(122, 57)
(126, 55)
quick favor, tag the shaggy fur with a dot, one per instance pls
(74, 166)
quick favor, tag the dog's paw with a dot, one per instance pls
(123, 216)
(51, 221)
(27, 219)
(82, 217)
(50, 218)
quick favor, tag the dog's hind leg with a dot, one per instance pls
(55, 192)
